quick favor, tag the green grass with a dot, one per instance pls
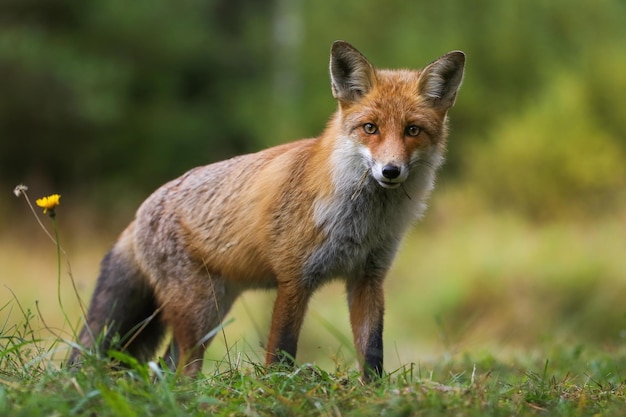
(567, 382)
(487, 315)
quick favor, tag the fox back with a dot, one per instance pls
(290, 217)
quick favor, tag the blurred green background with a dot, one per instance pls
(103, 101)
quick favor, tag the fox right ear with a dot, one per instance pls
(351, 74)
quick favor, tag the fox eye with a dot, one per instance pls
(370, 128)
(413, 130)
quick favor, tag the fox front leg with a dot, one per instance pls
(289, 310)
(366, 303)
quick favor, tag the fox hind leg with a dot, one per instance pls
(194, 307)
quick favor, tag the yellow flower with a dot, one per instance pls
(48, 203)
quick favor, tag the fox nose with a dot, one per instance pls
(391, 172)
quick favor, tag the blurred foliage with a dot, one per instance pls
(114, 98)
(553, 157)
(125, 93)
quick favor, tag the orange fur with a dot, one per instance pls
(290, 217)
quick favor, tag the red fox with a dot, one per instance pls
(291, 217)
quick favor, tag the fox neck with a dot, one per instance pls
(361, 223)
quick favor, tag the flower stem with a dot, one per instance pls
(20, 190)
(58, 245)
(32, 209)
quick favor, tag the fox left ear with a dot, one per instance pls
(440, 81)
(351, 74)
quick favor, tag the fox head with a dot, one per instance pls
(396, 119)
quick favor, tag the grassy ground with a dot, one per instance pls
(487, 314)
(574, 382)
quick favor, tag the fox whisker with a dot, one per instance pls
(424, 163)
(406, 193)
(359, 188)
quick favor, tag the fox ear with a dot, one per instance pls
(440, 81)
(351, 74)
